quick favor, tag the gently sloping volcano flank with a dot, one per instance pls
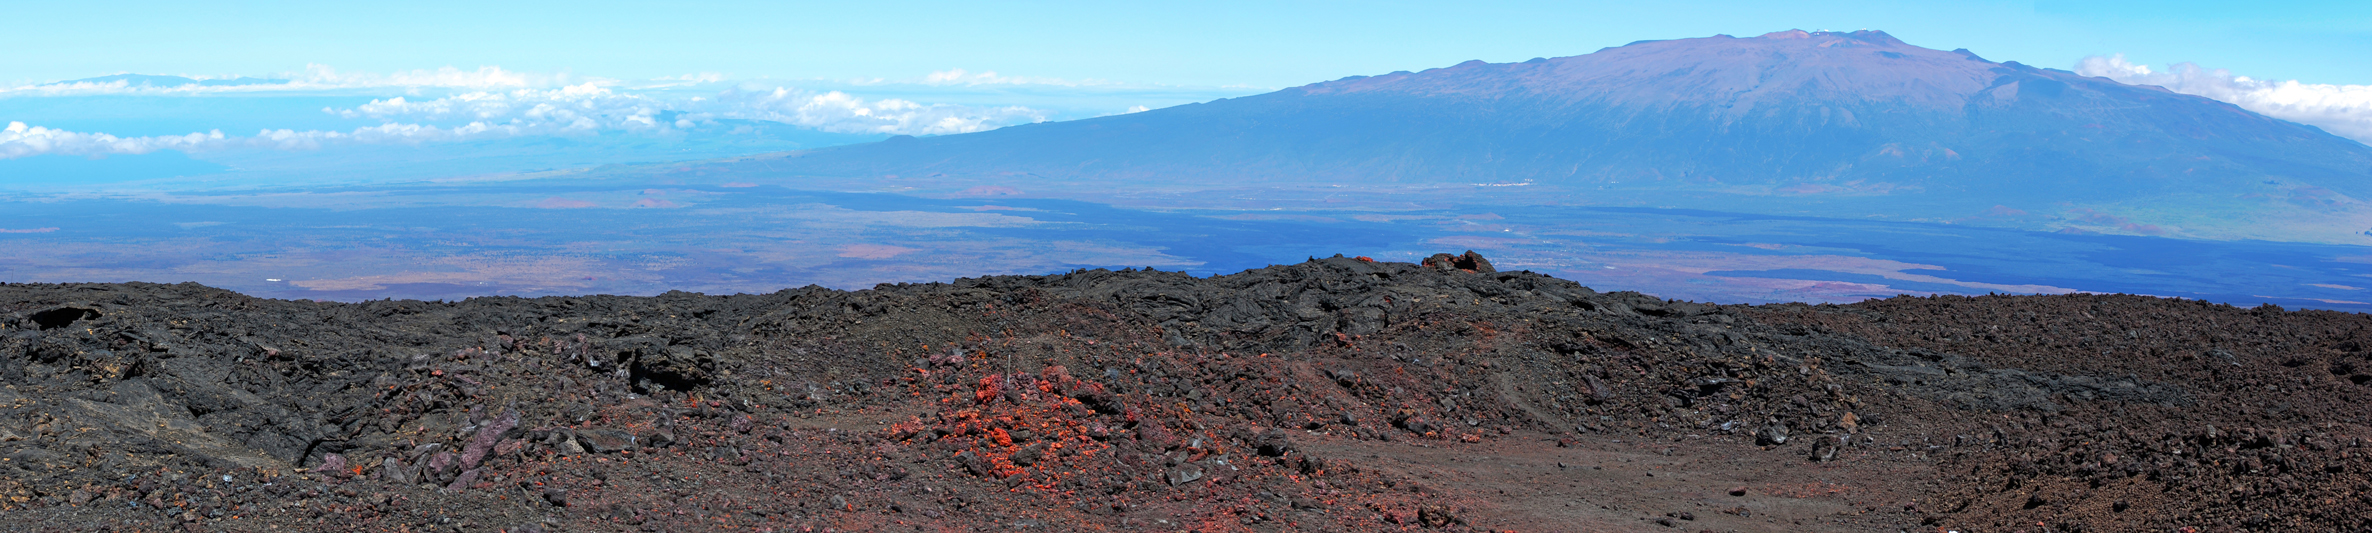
(1790, 122)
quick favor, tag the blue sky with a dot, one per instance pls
(468, 88)
(1265, 44)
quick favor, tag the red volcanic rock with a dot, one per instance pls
(487, 437)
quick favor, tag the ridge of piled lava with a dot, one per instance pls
(1139, 399)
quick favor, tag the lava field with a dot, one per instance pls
(1339, 394)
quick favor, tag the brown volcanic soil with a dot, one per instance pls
(1334, 395)
(2272, 437)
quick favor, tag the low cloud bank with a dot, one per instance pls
(580, 109)
(21, 140)
(840, 112)
(962, 77)
(588, 107)
(583, 107)
(317, 77)
(450, 104)
(2343, 110)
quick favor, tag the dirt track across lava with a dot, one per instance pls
(1334, 395)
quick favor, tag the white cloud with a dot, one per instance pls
(491, 102)
(318, 77)
(576, 107)
(86, 88)
(841, 112)
(570, 110)
(484, 78)
(704, 77)
(394, 133)
(589, 108)
(2343, 110)
(20, 140)
(962, 77)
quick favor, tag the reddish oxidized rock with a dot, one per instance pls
(487, 436)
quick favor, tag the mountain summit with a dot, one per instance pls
(1838, 123)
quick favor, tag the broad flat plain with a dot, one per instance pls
(570, 235)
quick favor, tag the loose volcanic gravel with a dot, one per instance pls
(1340, 394)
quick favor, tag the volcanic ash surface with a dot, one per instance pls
(1340, 394)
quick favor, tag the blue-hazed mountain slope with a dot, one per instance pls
(1793, 114)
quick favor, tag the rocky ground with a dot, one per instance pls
(1335, 395)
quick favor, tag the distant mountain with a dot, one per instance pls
(1847, 124)
(150, 80)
